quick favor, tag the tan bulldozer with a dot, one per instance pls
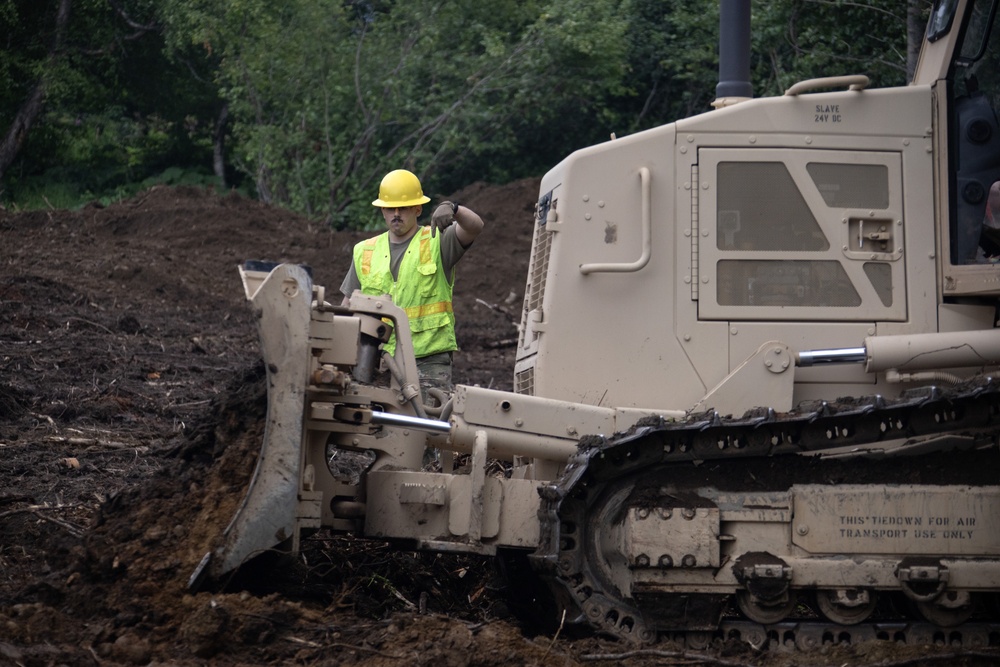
(754, 374)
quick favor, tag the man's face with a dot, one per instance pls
(402, 221)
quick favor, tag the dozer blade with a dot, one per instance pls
(267, 515)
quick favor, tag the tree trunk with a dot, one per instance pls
(218, 145)
(32, 107)
(18, 131)
(915, 24)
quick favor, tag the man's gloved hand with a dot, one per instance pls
(442, 217)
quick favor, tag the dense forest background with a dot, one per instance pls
(307, 103)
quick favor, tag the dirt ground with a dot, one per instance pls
(131, 409)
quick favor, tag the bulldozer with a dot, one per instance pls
(754, 374)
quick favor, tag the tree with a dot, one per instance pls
(31, 107)
(917, 12)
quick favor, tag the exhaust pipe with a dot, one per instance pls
(734, 54)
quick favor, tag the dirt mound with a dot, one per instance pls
(131, 409)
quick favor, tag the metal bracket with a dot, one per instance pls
(922, 583)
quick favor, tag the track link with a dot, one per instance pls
(808, 636)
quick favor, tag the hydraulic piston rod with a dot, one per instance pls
(429, 425)
(845, 355)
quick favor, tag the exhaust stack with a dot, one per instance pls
(734, 54)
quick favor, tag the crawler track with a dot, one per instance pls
(926, 437)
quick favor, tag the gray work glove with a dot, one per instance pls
(442, 217)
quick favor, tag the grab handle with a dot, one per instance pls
(647, 239)
(852, 81)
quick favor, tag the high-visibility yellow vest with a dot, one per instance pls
(422, 289)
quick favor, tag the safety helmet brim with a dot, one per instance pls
(408, 202)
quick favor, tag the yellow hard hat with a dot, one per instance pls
(400, 188)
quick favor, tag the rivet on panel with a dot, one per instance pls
(687, 337)
(586, 217)
(684, 150)
(753, 139)
(600, 204)
(734, 331)
(690, 138)
(809, 140)
(586, 197)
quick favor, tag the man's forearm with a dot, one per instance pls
(470, 225)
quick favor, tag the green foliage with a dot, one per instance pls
(803, 39)
(61, 191)
(116, 112)
(96, 156)
(325, 96)
(673, 51)
(673, 63)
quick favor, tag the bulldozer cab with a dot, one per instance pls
(961, 62)
(821, 217)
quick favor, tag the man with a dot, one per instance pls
(415, 265)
